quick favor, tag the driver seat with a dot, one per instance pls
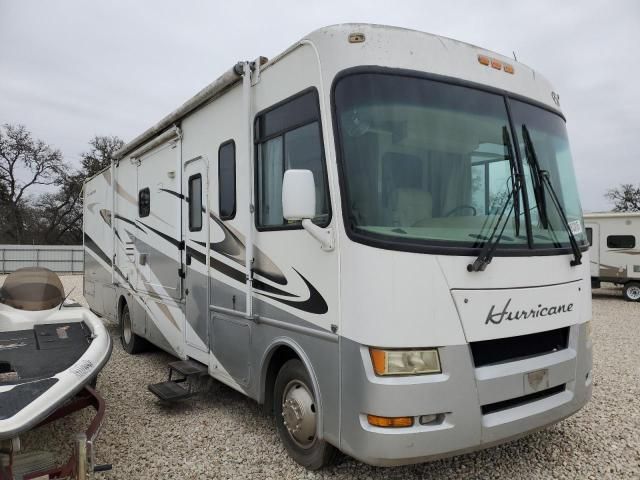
(410, 205)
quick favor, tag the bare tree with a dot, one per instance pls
(625, 198)
(61, 212)
(99, 157)
(24, 163)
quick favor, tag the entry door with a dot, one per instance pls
(594, 249)
(195, 177)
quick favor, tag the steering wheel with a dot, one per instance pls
(462, 207)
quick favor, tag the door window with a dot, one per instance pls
(289, 136)
(195, 203)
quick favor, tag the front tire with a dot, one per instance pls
(296, 410)
(631, 291)
(131, 342)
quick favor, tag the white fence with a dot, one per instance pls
(59, 258)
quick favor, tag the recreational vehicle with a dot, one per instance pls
(615, 251)
(376, 234)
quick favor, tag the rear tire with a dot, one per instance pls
(295, 410)
(131, 342)
(631, 291)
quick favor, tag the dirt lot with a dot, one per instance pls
(225, 435)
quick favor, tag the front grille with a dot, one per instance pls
(501, 350)
(516, 402)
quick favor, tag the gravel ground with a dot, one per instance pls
(225, 435)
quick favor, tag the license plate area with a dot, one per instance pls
(536, 381)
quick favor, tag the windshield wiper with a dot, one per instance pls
(506, 139)
(489, 247)
(541, 178)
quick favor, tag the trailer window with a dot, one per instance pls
(227, 180)
(144, 203)
(195, 203)
(621, 241)
(590, 235)
(289, 136)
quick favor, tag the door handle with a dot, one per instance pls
(188, 259)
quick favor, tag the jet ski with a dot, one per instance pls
(51, 351)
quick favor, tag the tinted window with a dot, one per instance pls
(144, 202)
(289, 137)
(195, 203)
(621, 241)
(590, 235)
(227, 180)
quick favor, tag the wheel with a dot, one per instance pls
(131, 342)
(296, 412)
(631, 291)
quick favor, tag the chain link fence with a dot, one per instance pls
(67, 259)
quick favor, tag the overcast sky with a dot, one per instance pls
(73, 69)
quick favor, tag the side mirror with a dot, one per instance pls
(298, 195)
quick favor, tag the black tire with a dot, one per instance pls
(631, 291)
(131, 342)
(317, 453)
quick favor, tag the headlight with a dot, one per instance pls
(405, 362)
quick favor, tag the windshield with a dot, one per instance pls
(548, 135)
(32, 289)
(429, 162)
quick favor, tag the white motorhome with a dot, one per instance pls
(615, 250)
(377, 234)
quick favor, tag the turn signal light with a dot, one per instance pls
(390, 422)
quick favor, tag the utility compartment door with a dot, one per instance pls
(196, 215)
(156, 230)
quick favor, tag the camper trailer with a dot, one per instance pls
(376, 234)
(615, 251)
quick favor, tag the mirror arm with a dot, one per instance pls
(322, 235)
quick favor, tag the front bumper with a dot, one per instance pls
(457, 396)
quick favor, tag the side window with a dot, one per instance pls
(590, 235)
(144, 203)
(227, 180)
(195, 203)
(621, 241)
(289, 136)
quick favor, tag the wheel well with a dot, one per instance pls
(279, 357)
(121, 303)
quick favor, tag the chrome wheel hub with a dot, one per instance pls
(126, 327)
(633, 293)
(299, 413)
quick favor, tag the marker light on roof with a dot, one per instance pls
(495, 63)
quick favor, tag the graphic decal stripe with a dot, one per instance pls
(130, 222)
(93, 246)
(314, 304)
(171, 192)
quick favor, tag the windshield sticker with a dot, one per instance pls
(576, 227)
